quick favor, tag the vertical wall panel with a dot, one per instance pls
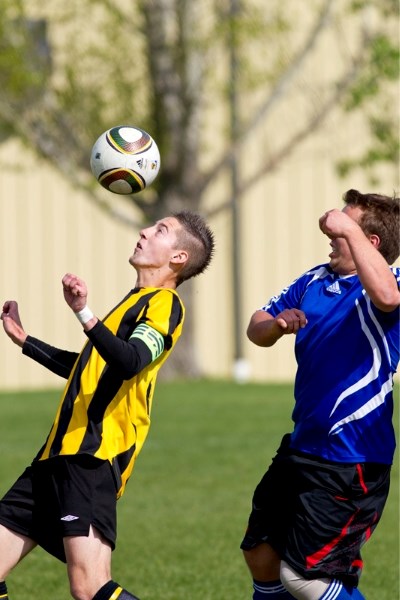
(48, 228)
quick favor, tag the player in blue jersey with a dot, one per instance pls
(326, 488)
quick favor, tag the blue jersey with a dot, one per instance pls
(347, 355)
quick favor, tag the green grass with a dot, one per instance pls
(183, 515)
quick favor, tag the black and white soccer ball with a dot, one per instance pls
(125, 159)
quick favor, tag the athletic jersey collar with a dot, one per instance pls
(335, 275)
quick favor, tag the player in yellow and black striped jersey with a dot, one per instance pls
(104, 389)
(66, 500)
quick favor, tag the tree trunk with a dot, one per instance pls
(183, 362)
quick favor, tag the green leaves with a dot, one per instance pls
(382, 64)
(374, 93)
(25, 59)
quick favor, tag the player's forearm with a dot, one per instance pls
(264, 332)
(374, 273)
(56, 360)
(17, 335)
(128, 358)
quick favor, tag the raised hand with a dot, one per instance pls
(336, 223)
(75, 292)
(12, 323)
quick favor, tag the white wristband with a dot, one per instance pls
(84, 315)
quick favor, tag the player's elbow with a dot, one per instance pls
(129, 371)
(258, 334)
(127, 375)
(253, 331)
(125, 370)
(387, 301)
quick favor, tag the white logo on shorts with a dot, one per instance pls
(69, 518)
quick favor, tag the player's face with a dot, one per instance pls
(157, 244)
(341, 259)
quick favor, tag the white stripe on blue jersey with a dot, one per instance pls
(347, 355)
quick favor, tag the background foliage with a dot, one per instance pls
(205, 78)
(68, 71)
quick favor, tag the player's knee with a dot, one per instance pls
(263, 562)
(253, 563)
(80, 590)
(300, 588)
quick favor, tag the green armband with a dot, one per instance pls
(151, 337)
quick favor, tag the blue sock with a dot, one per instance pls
(270, 590)
(338, 591)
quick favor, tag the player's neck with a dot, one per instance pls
(158, 278)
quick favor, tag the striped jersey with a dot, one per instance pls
(347, 355)
(103, 413)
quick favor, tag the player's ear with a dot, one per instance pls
(375, 240)
(179, 257)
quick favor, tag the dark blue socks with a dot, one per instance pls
(271, 590)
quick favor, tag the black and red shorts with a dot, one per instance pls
(317, 514)
(60, 497)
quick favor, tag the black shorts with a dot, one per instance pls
(60, 497)
(317, 514)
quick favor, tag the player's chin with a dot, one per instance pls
(137, 261)
(333, 260)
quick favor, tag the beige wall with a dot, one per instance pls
(48, 228)
(280, 239)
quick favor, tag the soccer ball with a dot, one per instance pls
(125, 159)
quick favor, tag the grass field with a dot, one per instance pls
(183, 515)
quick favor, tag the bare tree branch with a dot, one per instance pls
(307, 130)
(310, 126)
(276, 93)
